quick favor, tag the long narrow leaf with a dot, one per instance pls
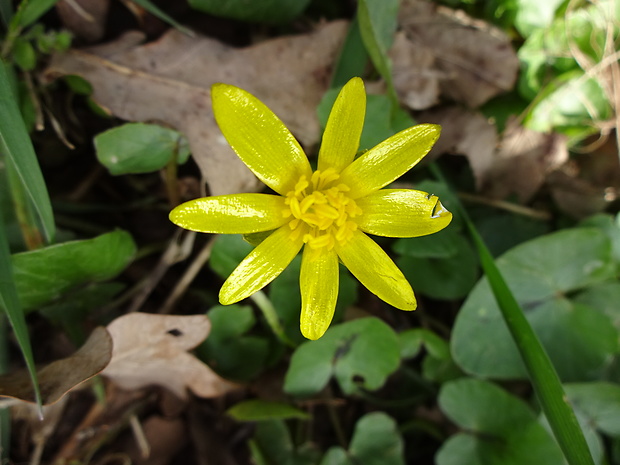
(15, 144)
(9, 301)
(541, 371)
(377, 21)
(155, 11)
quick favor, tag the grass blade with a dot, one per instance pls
(15, 144)
(155, 11)
(377, 21)
(541, 371)
(9, 301)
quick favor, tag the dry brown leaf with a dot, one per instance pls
(416, 77)
(468, 133)
(169, 81)
(59, 377)
(524, 160)
(473, 61)
(152, 349)
(84, 18)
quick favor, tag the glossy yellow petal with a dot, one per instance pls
(260, 139)
(375, 270)
(261, 266)
(231, 214)
(319, 291)
(341, 138)
(402, 213)
(389, 160)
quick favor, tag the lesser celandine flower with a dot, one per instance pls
(327, 212)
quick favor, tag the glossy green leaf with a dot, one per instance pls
(376, 441)
(266, 11)
(261, 410)
(542, 273)
(442, 244)
(44, 275)
(228, 349)
(359, 354)
(140, 148)
(16, 148)
(272, 444)
(500, 429)
(447, 278)
(599, 403)
(437, 364)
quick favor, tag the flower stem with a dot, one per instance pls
(269, 312)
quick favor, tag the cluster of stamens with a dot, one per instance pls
(320, 210)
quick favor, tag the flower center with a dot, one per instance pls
(321, 211)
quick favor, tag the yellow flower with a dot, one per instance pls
(327, 212)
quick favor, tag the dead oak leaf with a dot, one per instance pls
(523, 162)
(152, 349)
(169, 81)
(61, 376)
(465, 132)
(473, 61)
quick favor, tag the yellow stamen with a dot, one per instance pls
(321, 210)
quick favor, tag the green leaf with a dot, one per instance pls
(16, 146)
(572, 100)
(228, 251)
(534, 14)
(24, 54)
(377, 20)
(442, 244)
(10, 302)
(438, 364)
(359, 354)
(543, 274)
(140, 148)
(261, 410)
(599, 403)
(376, 441)
(44, 275)
(228, 349)
(265, 11)
(32, 10)
(353, 57)
(272, 445)
(446, 278)
(501, 429)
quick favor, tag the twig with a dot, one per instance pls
(187, 278)
(508, 206)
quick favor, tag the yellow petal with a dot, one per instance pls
(231, 214)
(341, 138)
(260, 139)
(389, 160)
(261, 266)
(319, 291)
(401, 213)
(375, 270)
